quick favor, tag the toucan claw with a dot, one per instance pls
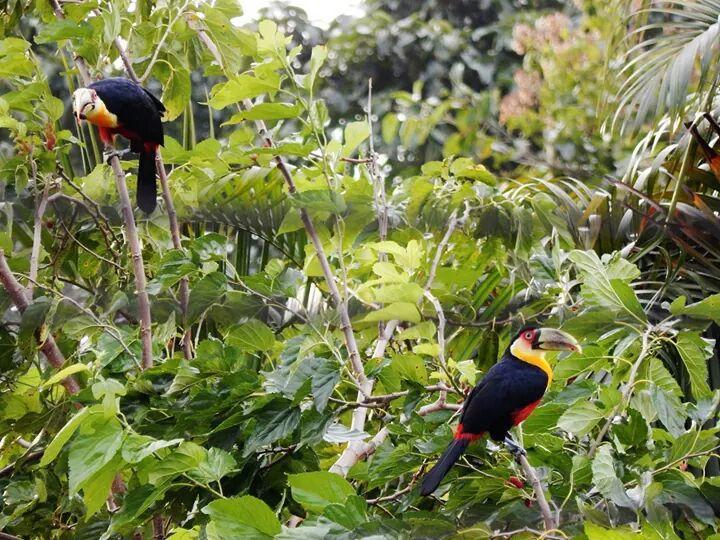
(107, 156)
(514, 448)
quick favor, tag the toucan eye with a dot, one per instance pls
(528, 335)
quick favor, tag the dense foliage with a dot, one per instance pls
(493, 184)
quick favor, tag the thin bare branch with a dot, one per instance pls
(19, 297)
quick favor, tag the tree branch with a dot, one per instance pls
(19, 297)
(130, 228)
(644, 351)
(337, 300)
(531, 474)
(184, 287)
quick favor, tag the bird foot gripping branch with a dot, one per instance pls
(505, 397)
(120, 154)
(514, 448)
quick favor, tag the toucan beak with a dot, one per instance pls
(551, 339)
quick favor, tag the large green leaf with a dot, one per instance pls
(97, 442)
(605, 478)
(276, 420)
(241, 518)
(63, 436)
(581, 418)
(695, 352)
(251, 336)
(315, 490)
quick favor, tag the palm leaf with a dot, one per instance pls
(670, 66)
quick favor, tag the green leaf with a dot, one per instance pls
(402, 311)
(138, 447)
(350, 515)
(97, 487)
(596, 532)
(606, 480)
(217, 464)
(324, 379)
(205, 293)
(64, 373)
(96, 444)
(242, 87)
(695, 352)
(315, 490)
(241, 518)
(176, 93)
(275, 421)
(184, 458)
(317, 59)
(605, 283)
(63, 436)
(581, 418)
(669, 410)
(64, 29)
(424, 330)
(321, 200)
(398, 292)
(708, 308)
(355, 134)
(251, 336)
(265, 111)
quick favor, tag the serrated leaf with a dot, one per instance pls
(274, 421)
(695, 352)
(581, 418)
(605, 478)
(402, 311)
(251, 336)
(205, 293)
(324, 379)
(96, 444)
(315, 490)
(63, 436)
(240, 518)
(65, 373)
(242, 87)
(265, 111)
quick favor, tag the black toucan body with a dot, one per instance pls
(119, 106)
(505, 397)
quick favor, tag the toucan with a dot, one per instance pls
(506, 396)
(119, 106)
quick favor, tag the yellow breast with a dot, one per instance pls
(102, 117)
(532, 356)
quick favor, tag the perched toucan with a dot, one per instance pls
(119, 106)
(506, 396)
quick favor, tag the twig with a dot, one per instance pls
(441, 339)
(354, 450)
(184, 287)
(548, 519)
(159, 45)
(19, 297)
(40, 205)
(345, 323)
(644, 351)
(399, 493)
(130, 228)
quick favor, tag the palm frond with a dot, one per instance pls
(669, 62)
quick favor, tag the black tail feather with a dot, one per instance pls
(433, 478)
(147, 184)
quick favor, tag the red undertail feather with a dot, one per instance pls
(460, 434)
(521, 414)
